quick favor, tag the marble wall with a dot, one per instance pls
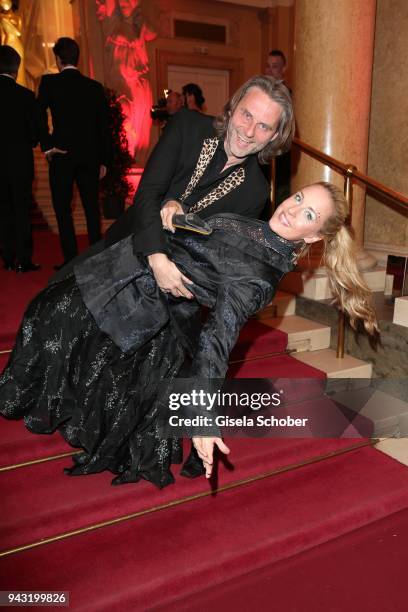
(388, 150)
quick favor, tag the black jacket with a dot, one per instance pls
(168, 172)
(79, 116)
(19, 129)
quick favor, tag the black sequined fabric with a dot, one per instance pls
(65, 374)
(94, 348)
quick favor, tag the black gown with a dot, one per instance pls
(94, 349)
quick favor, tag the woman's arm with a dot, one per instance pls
(205, 450)
(235, 304)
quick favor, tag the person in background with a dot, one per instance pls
(193, 97)
(174, 102)
(77, 147)
(276, 65)
(19, 134)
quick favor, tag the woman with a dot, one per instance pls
(94, 349)
(193, 97)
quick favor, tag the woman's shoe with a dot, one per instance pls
(193, 466)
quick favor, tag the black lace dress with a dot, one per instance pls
(94, 348)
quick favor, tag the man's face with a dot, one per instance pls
(275, 66)
(174, 102)
(128, 6)
(253, 124)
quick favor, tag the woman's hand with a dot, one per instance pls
(168, 277)
(205, 450)
(171, 208)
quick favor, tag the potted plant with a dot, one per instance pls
(114, 187)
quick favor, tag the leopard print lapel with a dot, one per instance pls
(228, 184)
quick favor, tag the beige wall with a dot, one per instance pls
(388, 150)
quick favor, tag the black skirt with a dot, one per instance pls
(65, 374)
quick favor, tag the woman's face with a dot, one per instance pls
(303, 215)
(128, 6)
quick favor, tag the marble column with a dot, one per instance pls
(333, 60)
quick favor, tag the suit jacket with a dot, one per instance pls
(79, 116)
(19, 129)
(167, 174)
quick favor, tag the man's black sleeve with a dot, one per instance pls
(154, 185)
(46, 139)
(102, 123)
(32, 121)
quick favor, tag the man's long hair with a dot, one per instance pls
(279, 93)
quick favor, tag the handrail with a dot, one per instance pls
(348, 169)
(350, 173)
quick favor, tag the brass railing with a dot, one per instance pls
(350, 174)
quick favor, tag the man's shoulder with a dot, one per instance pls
(16, 90)
(91, 83)
(25, 92)
(188, 119)
(50, 78)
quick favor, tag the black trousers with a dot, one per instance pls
(15, 224)
(63, 172)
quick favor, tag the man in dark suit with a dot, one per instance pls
(77, 147)
(196, 168)
(19, 136)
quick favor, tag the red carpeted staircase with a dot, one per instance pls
(196, 544)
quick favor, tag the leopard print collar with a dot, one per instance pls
(230, 182)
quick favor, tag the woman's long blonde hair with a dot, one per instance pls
(350, 291)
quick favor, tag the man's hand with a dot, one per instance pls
(50, 154)
(205, 450)
(168, 277)
(172, 207)
(102, 172)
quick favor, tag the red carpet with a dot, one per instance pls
(363, 571)
(168, 556)
(159, 557)
(40, 501)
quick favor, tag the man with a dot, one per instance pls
(205, 171)
(19, 134)
(77, 147)
(276, 64)
(174, 102)
(276, 67)
(192, 169)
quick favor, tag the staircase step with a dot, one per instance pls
(257, 339)
(282, 305)
(326, 360)
(401, 311)
(160, 557)
(315, 284)
(29, 516)
(303, 334)
(396, 448)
